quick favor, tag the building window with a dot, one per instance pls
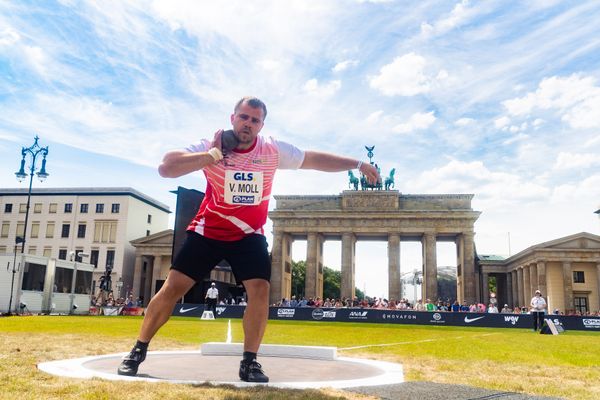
(581, 304)
(23, 208)
(35, 230)
(94, 258)
(32, 250)
(81, 231)
(83, 208)
(47, 252)
(62, 254)
(115, 208)
(8, 208)
(68, 208)
(65, 230)
(578, 277)
(50, 230)
(99, 208)
(2, 249)
(147, 233)
(105, 232)
(21, 229)
(149, 218)
(52, 208)
(37, 208)
(5, 229)
(110, 258)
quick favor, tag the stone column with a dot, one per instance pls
(137, 277)
(394, 284)
(155, 274)
(533, 278)
(598, 281)
(509, 289)
(568, 286)
(147, 282)
(460, 275)
(281, 266)
(527, 294)
(469, 267)
(515, 289)
(348, 252)
(520, 286)
(429, 267)
(485, 290)
(541, 278)
(314, 266)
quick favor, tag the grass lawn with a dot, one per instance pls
(516, 360)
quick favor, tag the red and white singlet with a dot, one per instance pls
(238, 188)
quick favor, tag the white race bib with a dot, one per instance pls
(243, 188)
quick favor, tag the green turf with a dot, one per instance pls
(496, 358)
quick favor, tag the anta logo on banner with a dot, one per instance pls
(220, 310)
(513, 319)
(358, 314)
(591, 323)
(286, 312)
(399, 316)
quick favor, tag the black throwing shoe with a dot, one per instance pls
(131, 362)
(252, 372)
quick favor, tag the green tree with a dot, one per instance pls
(332, 281)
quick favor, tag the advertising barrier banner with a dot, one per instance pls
(396, 317)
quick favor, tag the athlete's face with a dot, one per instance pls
(247, 122)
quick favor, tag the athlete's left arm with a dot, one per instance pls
(334, 163)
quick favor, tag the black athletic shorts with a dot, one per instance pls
(248, 257)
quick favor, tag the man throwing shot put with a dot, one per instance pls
(239, 166)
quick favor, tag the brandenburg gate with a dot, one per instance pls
(373, 215)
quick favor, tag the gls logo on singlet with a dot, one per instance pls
(243, 187)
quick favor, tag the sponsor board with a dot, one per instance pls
(320, 314)
(395, 316)
(358, 315)
(286, 312)
(511, 319)
(591, 323)
(469, 320)
(437, 318)
(220, 310)
(184, 310)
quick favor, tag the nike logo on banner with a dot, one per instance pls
(469, 320)
(184, 310)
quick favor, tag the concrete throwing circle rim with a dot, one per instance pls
(391, 373)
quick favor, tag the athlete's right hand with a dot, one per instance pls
(217, 139)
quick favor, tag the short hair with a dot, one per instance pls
(253, 102)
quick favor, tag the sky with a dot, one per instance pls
(500, 99)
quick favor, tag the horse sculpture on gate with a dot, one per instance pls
(353, 181)
(389, 181)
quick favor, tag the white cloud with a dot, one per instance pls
(501, 122)
(576, 98)
(405, 76)
(374, 117)
(460, 14)
(492, 188)
(343, 65)
(417, 121)
(313, 87)
(567, 160)
(8, 37)
(464, 122)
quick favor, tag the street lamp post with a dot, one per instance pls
(33, 151)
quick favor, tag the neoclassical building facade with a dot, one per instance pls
(565, 270)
